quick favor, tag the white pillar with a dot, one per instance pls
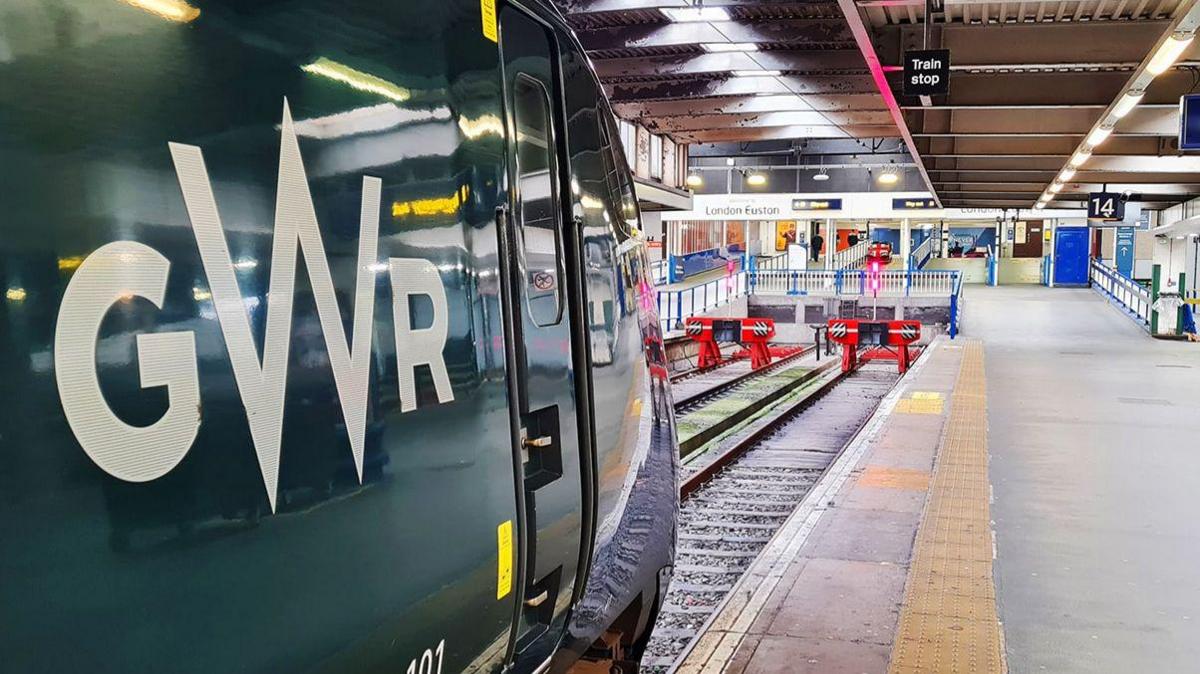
(905, 241)
(830, 242)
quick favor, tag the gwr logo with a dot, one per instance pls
(127, 268)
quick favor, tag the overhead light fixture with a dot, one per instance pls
(757, 73)
(1079, 157)
(1168, 53)
(1066, 174)
(756, 179)
(729, 46)
(822, 176)
(688, 14)
(694, 180)
(1040, 205)
(888, 178)
(172, 10)
(1099, 135)
(1056, 187)
(1128, 102)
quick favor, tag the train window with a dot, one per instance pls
(539, 200)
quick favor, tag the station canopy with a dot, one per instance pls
(1033, 87)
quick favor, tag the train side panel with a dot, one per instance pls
(365, 536)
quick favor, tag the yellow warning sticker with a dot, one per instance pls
(487, 11)
(504, 561)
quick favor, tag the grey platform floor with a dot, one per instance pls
(1095, 444)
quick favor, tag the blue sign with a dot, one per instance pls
(1189, 122)
(1124, 255)
(816, 204)
(911, 204)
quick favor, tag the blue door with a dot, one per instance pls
(1071, 256)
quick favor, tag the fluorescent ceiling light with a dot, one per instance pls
(1079, 157)
(756, 73)
(729, 46)
(1098, 135)
(1056, 187)
(821, 176)
(1128, 102)
(694, 180)
(888, 178)
(172, 10)
(1066, 175)
(1167, 54)
(756, 179)
(686, 14)
(1040, 205)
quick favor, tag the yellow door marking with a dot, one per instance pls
(487, 11)
(504, 561)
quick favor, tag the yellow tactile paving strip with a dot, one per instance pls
(948, 622)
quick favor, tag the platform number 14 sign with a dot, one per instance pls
(1105, 206)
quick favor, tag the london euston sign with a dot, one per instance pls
(927, 72)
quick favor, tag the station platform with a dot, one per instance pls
(887, 567)
(1081, 559)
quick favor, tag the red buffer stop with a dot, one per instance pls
(752, 333)
(864, 340)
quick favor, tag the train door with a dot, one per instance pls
(540, 310)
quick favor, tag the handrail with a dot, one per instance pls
(674, 306)
(922, 253)
(1122, 291)
(853, 257)
(658, 271)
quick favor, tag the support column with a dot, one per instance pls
(905, 242)
(830, 242)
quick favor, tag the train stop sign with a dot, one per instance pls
(926, 72)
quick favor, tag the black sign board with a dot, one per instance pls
(816, 204)
(910, 204)
(927, 72)
(1106, 206)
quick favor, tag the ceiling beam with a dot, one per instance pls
(863, 38)
(749, 104)
(735, 86)
(788, 31)
(781, 133)
(680, 123)
(792, 60)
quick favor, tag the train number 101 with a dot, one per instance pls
(426, 663)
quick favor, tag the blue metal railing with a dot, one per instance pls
(675, 306)
(1134, 299)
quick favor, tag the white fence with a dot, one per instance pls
(886, 283)
(853, 257)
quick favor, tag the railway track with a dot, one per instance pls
(733, 503)
(714, 383)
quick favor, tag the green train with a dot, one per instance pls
(328, 343)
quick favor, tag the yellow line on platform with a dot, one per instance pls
(948, 622)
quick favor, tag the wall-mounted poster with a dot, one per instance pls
(785, 234)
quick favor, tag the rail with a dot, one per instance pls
(775, 262)
(676, 305)
(921, 254)
(856, 282)
(853, 257)
(1122, 291)
(659, 272)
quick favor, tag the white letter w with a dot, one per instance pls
(262, 386)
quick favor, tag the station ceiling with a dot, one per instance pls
(1029, 81)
